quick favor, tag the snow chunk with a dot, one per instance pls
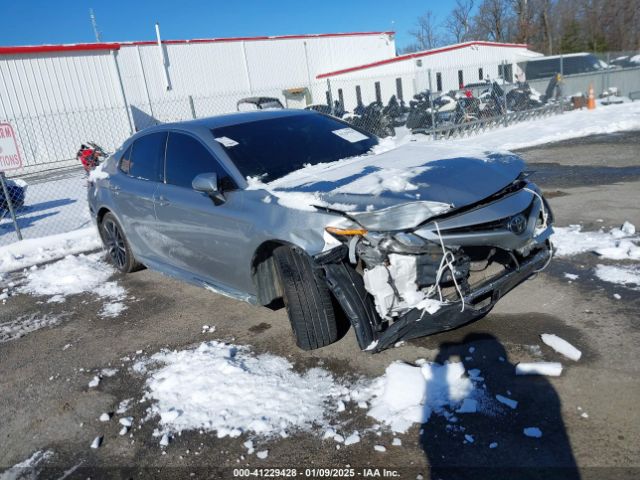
(379, 448)
(552, 369)
(493, 445)
(571, 276)
(98, 173)
(206, 383)
(105, 417)
(126, 421)
(469, 438)
(262, 454)
(561, 346)
(396, 442)
(351, 439)
(533, 432)
(95, 381)
(513, 404)
(407, 394)
(628, 276)
(97, 442)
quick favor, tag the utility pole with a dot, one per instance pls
(94, 24)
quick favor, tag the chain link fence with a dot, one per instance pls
(49, 192)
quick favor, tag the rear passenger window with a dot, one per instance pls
(187, 158)
(145, 157)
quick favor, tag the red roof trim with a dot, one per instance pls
(409, 56)
(116, 46)
(58, 48)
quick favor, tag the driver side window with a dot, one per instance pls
(186, 158)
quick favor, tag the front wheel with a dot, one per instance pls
(119, 252)
(306, 298)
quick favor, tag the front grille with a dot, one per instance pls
(500, 224)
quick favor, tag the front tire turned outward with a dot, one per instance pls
(119, 252)
(306, 298)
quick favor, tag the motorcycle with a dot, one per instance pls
(372, 119)
(397, 111)
(523, 98)
(91, 155)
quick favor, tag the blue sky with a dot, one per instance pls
(27, 22)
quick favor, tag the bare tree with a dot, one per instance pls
(523, 10)
(427, 32)
(492, 20)
(458, 23)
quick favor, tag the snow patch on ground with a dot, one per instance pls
(229, 390)
(33, 251)
(628, 276)
(73, 275)
(27, 468)
(616, 244)
(23, 325)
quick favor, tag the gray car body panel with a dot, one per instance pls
(213, 245)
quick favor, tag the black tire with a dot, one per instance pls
(306, 298)
(119, 252)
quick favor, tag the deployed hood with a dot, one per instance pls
(437, 177)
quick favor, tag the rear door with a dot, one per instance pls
(197, 235)
(133, 192)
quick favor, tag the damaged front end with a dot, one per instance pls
(445, 268)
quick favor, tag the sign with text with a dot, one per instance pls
(9, 154)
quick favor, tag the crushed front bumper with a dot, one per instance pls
(374, 335)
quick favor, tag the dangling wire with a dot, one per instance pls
(447, 262)
(545, 215)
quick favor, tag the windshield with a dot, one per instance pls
(272, 148)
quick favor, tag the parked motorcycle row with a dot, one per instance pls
(427, 110)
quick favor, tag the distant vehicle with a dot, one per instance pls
(258, 103)
(626, 61)
(545, 67)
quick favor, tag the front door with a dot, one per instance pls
(199, 236)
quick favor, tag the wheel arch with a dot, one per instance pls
(263, 271)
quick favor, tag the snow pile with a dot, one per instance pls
(561, 346)
(616, 244)
(73, 275)
(33, 251)
(21, 326)
(629, 276)
(575, 124)
(409, 394)
(226, 389)
(28, 468)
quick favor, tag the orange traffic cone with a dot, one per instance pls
(591, 101)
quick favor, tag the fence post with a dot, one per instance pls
(330, 96)
(193, 108)
(434, 134)
(7, 197)
(559, 87)
(505, 118)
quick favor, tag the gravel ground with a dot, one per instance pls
(45, 403)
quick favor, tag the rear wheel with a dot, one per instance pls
(119, 252)
(306, 298)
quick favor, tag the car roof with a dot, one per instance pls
(229, 119)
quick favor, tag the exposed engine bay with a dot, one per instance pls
(456, 265)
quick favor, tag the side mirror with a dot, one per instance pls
(208, 183)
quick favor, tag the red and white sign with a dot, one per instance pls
(9, 154)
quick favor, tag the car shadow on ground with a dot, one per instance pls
(498, 447)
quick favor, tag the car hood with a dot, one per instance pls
(435, 178)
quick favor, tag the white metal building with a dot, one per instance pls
(405, 75)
